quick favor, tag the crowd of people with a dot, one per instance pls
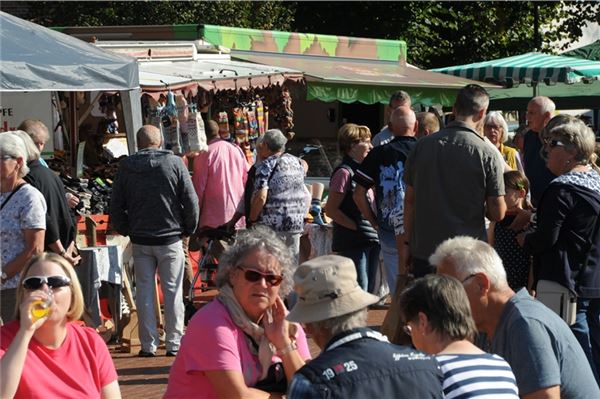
(492, 253)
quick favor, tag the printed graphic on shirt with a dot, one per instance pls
(391, 200)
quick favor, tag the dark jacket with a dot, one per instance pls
(344, 238)
(535, 166)
(153, 200)
(360, 364)
(566, 243)
(59, 223)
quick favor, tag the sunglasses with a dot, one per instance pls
(36, 282)
(7, 157)
(253, 276)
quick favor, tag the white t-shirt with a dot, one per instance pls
(25, 210)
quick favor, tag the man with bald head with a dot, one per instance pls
(383, 169)
(154, 203)
(398, 99)
(540, 110)
(219, 178)
(454, 180)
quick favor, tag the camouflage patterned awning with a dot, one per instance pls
(367, 81)
(339, 68)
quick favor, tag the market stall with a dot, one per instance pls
(187, 82)
(34, 61)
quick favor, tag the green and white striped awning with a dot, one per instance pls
(526, 68)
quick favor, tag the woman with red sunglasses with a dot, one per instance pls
(45, 355)
(240, 344)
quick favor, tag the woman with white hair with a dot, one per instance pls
(566, 242)
(22, 220)
(60, 228)
(280, 199)
(496, 130)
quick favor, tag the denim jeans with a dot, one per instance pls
(389, 250)
(168, 259)
(587, 331)
(366, 261)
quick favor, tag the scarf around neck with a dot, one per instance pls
(253, 332)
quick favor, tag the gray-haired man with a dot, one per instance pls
(546, 359)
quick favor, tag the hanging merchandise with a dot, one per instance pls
(170, 124)
(224, 126)
(260, 117)
(252, 123)
(240, 125)
(288, 121)
(194, 138)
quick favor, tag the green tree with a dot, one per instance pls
(245, 14)
(449, 33)
(437, 33)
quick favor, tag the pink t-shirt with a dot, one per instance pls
(213, 342)
(78, 369)
(339, 181)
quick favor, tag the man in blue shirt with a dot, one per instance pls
(545, 356)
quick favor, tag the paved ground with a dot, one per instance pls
(146, 378)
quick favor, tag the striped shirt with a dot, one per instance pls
(477, 376)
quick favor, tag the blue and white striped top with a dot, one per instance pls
(477, 376)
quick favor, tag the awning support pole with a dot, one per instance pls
(132, 113)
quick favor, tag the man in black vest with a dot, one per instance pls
(356, 362)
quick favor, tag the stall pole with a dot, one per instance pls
(73, 130)
(132, 113)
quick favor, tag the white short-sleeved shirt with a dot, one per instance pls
(25, 210)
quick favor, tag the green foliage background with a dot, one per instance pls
(437, 33)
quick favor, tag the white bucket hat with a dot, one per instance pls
(327, 288)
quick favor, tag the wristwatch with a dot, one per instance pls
(4, 276)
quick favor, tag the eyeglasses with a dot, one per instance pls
(253, 276)
(407, 330)
(468, 278)
(555, 143)
(496, 127)
(6, 157)
(36, 282)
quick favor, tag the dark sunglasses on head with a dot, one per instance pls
(36, 282)
(253, 276)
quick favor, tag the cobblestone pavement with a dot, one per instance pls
(146, 378)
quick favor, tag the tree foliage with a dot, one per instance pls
(244, 14)
(437, 33)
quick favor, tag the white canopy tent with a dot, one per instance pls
(34, 58)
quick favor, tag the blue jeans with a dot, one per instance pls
(587, 331)
(366, 261)
(389, 250)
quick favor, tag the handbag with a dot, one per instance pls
(558, 298)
